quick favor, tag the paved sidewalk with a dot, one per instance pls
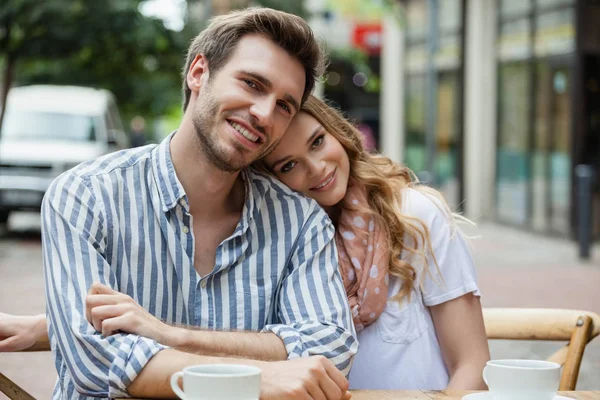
(514, 269)
(520, 269)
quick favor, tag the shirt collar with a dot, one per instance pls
(249, 202)
(171, 190)
(169, 187)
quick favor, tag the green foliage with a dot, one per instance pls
(368, 10)
(295, 7)
(106, 43)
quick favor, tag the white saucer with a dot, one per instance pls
(489, 396)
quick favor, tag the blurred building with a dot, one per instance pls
(353, 33)
(492, 101)
(495, 102)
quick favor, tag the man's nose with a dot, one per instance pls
(263, 110)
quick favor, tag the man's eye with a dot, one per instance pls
(285, 107)
(251, 83)
(287, 167)
(318, 141)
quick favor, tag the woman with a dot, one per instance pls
(407, 269)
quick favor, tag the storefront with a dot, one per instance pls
(501, 104)
(535, 64)
(433, 66)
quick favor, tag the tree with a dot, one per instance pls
(88, 42)
(293, 7)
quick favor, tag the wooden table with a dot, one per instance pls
(444, 395)
(439, 395)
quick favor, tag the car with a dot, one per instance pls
(48, 130)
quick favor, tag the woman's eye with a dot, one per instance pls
(318, 141)
(287, 167)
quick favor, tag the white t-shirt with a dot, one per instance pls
(400, 350)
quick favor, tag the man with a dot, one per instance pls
(196, 239)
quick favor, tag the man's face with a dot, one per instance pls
(243, 109)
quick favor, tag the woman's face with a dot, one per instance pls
(310, 160)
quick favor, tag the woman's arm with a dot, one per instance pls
(20, 332)
(461, 334)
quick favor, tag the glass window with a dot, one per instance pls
(511, 8)
(512, 172)
(450, 12)
(433, 83)
(416, 59)
(555, 33)
(448, 53)
(36, 125)
(551, 3)
(514, 42)
(540, 170)
(417, 23)
(560, 157)
(415, 149)
(447, 136)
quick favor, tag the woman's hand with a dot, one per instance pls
(19, 332)
(112, 312)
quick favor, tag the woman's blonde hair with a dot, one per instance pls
(384, 181)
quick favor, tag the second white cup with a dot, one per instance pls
(522, 379)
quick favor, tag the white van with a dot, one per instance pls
(48, 130)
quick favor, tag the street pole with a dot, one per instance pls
(584, 176)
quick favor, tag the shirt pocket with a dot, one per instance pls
(402, 323)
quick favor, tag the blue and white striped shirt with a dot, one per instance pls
(124, 220)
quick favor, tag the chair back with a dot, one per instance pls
(575, 326)
(10, 388)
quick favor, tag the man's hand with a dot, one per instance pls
(110, 311)
(303, 378)
(18, 332)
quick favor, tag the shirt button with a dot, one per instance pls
(185, 230)
(182, 202)
(203, 284)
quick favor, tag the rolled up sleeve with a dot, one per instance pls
(313, 311)
(74, 240)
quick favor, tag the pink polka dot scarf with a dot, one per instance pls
(364, 258)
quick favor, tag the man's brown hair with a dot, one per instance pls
(289, 31)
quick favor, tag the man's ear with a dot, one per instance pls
(198, 73)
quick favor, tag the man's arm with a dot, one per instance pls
(313, 316)
(111, 312)
(307, 378)
(75, 240)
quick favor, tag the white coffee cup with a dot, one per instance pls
(522, 379)
(217, 381)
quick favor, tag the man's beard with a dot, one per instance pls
(204, 119)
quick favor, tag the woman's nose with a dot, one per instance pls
(317, 168)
